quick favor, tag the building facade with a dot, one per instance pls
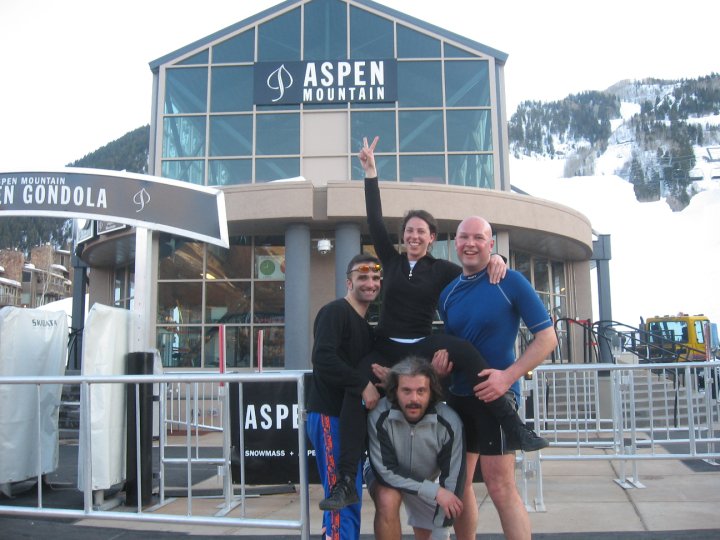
(46, 276)
(272, 110)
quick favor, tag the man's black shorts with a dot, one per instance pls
(483, 434)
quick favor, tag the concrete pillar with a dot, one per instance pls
(602, 255)
(347, 245)
(297, 296)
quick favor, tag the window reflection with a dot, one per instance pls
(421, 131)
(179, 302)
(225, 172)
(429, 169)
(541, 276)
(469, 131)
(467, 84)
(267, 170)
(237, 347)
(183, 136)
(228, 302)
(412, 44)
(419, 84)
(232, 263)
(232, 89)
(201, 287)
(277, 134)
(325, 30)
(192, 171)
(179, 346)
(370, 36)
(273, 346)
(231, 135)
(370, 124)
(474, 170)
(240, 48)
(185, 90)
(279, 38)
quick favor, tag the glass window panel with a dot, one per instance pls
(199, 58)
(231, 135)
(183, 136)
(325, 30)
(324, 106)
(467, 84)
(545, 298)
(541, 276)
(386, 168)
(419, 84)
(232, 89)
(185, 90)
(388, 105)
(187, 171)
(412, 44)
(454, 52)
(269, 169)
(237, 347)
(232, 263)
(273, 349)
(560, 308)
(269, 302)
(429, 169)
(370, 124)
(273, 248)
(179, 302)
(370, 36)
(522, 265)
(275, 108)
(240, 48)
(279, 38)
(469, 131)
(227, 172)
(277, 134)
(179, 346)
(421, 131)
(179, 258)
(558, 277)
(227, 302)
(472, 170)
(119, 287)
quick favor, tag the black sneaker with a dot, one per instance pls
(342, 494)
(530, 441)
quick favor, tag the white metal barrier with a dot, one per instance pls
(193, 387)
(633, 412)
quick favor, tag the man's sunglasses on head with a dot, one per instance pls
(366, 268)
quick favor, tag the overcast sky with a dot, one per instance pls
(74, 74)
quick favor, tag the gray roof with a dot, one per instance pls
(500, 57)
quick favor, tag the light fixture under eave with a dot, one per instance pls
(324, 246)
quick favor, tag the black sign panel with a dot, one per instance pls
(133, 199)
(270, 422)
(331, 81)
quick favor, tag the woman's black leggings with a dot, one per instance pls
(386, 352)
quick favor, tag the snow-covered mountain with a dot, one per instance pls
(663, 262)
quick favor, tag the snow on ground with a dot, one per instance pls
(663, 262)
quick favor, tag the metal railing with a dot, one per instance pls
(626, 413)
(193, 387)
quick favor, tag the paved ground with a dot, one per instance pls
(581, 500)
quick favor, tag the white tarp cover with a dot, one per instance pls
(32, 343)
(106, 342)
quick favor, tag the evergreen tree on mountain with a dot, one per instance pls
(663, 128)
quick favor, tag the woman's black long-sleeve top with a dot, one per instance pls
(409, 298)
